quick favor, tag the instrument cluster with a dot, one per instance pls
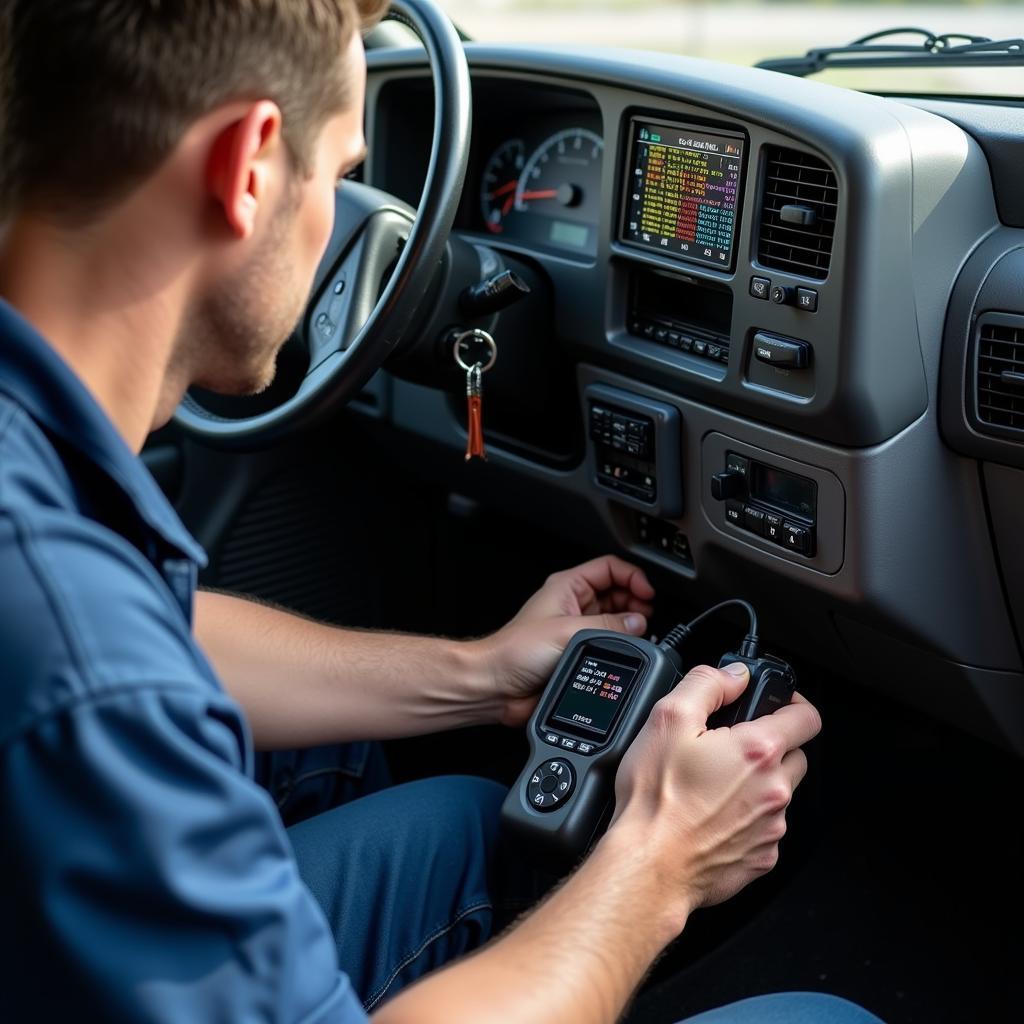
(541, 186)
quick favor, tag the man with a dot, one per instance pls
(167, 191)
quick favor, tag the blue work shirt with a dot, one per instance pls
(143, 873)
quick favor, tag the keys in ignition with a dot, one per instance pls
(475, 352)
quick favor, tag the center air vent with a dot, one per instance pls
(798, 215)
(999, 384)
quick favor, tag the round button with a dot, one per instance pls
(550, 784)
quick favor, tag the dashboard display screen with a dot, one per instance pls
(794, 493)
(683, 189)
(597, 688)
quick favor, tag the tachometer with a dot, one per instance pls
(561, 183)
(499, 182)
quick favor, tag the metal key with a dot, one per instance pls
(475, 352)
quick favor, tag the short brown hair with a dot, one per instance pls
(95, 94)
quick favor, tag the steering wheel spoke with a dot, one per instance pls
(350, 291)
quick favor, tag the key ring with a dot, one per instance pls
(482, 336)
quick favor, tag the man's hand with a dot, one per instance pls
(699, 814)
(606, 593)
(713, 801)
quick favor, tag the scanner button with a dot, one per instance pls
(585, 748)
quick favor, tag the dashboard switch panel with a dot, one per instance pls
(635, 446)
(663, 537)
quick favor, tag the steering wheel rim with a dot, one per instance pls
(338, 374)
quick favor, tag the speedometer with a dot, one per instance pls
(499, 183)
(561, 188)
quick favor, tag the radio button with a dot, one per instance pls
(773, 527)
(567, 744)
(737, 464)
(753, 520)
(797, 538)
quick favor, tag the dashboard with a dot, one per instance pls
(768, 296)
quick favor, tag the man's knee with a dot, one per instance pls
(788, 1008)
(460, 810)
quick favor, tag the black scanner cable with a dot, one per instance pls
(678, 635)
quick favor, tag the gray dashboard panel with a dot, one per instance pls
(914, 200)
(997, 127)
(912, 567)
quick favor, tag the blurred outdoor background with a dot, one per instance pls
(746, 31)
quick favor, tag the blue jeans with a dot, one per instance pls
(413, 876)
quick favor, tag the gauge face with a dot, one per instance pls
(561, 186)
(499, 183)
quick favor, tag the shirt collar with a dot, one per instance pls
(36, 377)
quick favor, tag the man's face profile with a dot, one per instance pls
(238, 324)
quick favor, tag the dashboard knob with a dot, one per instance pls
(783, 295)
(730, 484)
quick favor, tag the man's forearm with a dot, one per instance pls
(578, 957)
(302, 683)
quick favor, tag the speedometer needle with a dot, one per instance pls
(546, 193)
(507, 187)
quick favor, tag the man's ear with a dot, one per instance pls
(239, 167)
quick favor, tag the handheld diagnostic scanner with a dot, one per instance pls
(597, 700)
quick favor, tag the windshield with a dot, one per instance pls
(746, 31)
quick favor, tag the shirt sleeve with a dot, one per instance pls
(150, 879)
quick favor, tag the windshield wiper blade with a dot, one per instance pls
(954, 49)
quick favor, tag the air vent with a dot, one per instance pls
(1000, 378)
(798, 217)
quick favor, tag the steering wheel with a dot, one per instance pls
(351, 326)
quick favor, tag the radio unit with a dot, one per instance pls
(681, 313)
(768, 502)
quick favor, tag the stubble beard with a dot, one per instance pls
(232, 335)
